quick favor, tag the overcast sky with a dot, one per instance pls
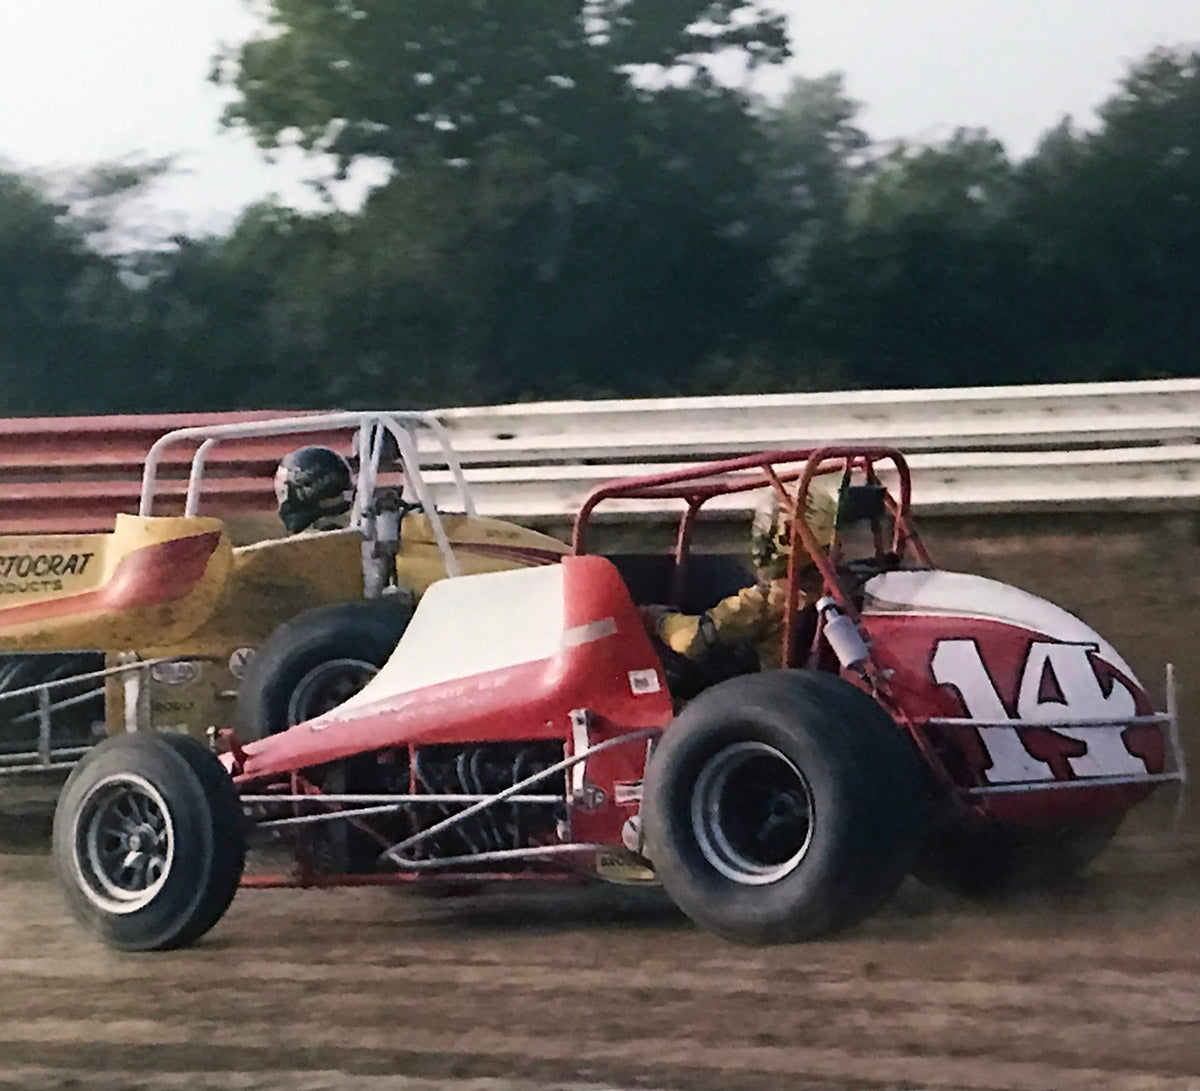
(82, 81)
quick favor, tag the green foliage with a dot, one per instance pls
(576, 208)
(455, 79)
(64, 312)
(572, 195)
(952, 266)
(922, 284)
(1112, 221)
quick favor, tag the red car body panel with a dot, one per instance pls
(603, 661)
(1023, 685)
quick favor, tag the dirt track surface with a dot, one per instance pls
(1095, 988)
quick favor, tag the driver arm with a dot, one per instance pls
(753, 615)
(746, 616)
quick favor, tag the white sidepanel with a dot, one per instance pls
(471, 624)
(958, 594)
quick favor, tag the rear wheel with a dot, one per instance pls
(782, 806)
(148, 841)
(998, 861)
(315, 662)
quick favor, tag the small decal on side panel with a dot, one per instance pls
(644, 681)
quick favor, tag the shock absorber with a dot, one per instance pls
(381, 543)
(843, 636)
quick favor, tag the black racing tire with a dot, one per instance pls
(229, 828)
(783, 806)
(998, 861)
(149, 841)
(315, 661)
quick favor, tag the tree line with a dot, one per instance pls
(577, 207)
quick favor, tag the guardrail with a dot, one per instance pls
(1054, 416)
(972, 449)
(1135, 478)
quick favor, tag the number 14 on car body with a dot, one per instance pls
(1076, 694)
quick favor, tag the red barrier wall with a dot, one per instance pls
(65, 474)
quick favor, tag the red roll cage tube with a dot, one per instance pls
(696, 485)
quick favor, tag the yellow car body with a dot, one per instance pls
(175, 588)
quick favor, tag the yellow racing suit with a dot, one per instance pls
(753, 616)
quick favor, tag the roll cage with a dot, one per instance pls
(373, 433)
(862, 495)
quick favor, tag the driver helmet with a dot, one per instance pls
(311, 484)
(771, 529)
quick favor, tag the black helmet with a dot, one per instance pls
(311, 483)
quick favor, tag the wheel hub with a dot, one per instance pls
(326, 686)
(124, 843)
(752, 813)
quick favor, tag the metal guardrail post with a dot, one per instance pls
(44, 726)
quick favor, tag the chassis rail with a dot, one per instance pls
(47, 756)
(352, 807)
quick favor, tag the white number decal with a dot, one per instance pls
(958, 663)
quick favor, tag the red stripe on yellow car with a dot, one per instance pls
(525, 555)
(150, 576)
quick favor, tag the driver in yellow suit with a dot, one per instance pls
(755, 614)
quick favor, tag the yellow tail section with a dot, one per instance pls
(151, 575)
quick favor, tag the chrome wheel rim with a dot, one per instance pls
(326, 686)
(752, 813)
(124, 843)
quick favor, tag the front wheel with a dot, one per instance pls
(148, 841)
(782, 806)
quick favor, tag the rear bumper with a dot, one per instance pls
(1089, 789)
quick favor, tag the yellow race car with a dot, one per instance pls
(187, 621)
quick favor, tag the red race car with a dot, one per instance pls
(527, 727)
